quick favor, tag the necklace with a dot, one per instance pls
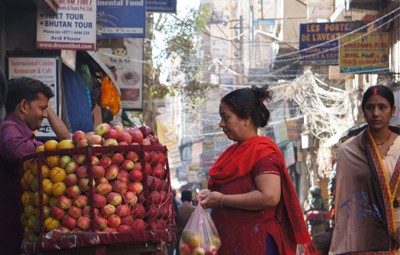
(381, 144)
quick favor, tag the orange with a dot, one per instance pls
(25, 198)
(34, 168)
(47, 186)
(58, 189)
(58, 174)
(28, 177)
(40, 148)
(27, 165)
(50, 145)
(45, 171)
(65, 144)
(52, 161)
(51, 224)
(35, 184)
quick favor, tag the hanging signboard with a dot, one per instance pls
(318, 42)
(72, 28)
(161, 6)
(43, 69)
(364, 53)
(126, 66)
(121, 18)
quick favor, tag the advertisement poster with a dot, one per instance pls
(72, 28)
(319, 44)
(43, 69)
(364, 53)
(121, 18)
(161, 6)
(126, 66)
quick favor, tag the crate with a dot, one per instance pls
(78, 210)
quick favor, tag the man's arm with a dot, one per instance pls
(58, 126)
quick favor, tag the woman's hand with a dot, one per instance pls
(210, 199)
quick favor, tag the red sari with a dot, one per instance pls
(244, 231)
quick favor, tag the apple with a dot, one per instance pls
(112, 133)
(82, 171)
(130, 198)
(80, 201)
(114, 198)
(119, 186)
(98, 171)
(148, 169)
(122, 143)
(83, 223)
(117, 158)
(64, 160)
(104, 188)
(136, 175)
(68, 222)
(123, 210)
(138, 225)
(71, 167)
(146, 130)
(105, 161)
(135, 187)
(112, 172)
(126, 137)
(94, 161)
(113, 221)
(107, 210)
(146, 141)
(185, 249)
(102, 128)
(101, 180)
(127, 220)
(131, 155)
(136, 134)
(138, 211)
(64, 230)
(99, 201)
(194, 240)
(127, 164)
(75, 212)
(100, 222)
(158, 171)
(124, 228)
(123, 176)
(198, 251)
(162, 158)
(56, 212)
(83, 184)
(71, 179)
(73, 191)
(79, 158)
(87, 211)
(78, 136)
(95, 140)
(118, 128)
(110, 142)
(83, 143)
(63, 202)
(155, 198)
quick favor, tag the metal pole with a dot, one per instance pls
(241, 50)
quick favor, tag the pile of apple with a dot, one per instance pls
(124, 190)
(195, 243)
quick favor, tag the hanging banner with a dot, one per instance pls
(161, 6)
(364, 53)
(121, 18)
(72, 28)
(126, 66)
(318, 42)
(43, 69)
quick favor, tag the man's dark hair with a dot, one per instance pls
(186, 196)
(25, 88)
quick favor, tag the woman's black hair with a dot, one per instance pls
(380, 90)
(249, 102)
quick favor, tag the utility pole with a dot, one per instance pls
(241, 50)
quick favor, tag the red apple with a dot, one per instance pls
(98, 171)
(198, 251)
(80, 201)
(100, 222)
(158, 171)
(71, 167)
(146, 130)
(136, 175)
(185, 249)
(71, 179)
(127, 220)
(126, 137)
(95, 140)
(105, 161)
(79, 158)
(99, 201)
(94, 161)
(137, 136)
(83, 143)
(138, 225)
(82, 171)
(135, 187)
(114, 198)
(146, 141)
(63, 202)
(68, 222)
(118, 128)
(104, 188)
(123, 210)
(117, 158)
(155, 198)
(138, 211)
(124, 228)
(107, 210)
(112, 172)
(112, 133)
(56, 212)
(77, 136)
(113, 221)
(75, 212)
(148, 169)
(119, 186)
(86, 211)
(130, 198)
(127, 165)
(83, 223)
(73, 191)
(131, 155)
(110, 142)
(123, 176)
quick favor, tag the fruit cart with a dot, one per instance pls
(104, 199)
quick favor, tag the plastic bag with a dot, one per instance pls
(200, 235)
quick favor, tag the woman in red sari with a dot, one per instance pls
(255, 206)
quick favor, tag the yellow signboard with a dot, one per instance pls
(364, 53)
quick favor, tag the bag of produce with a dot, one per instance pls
(200, 235)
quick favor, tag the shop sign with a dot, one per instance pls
(126, 66)
(318, 42)
(43, 69)
(121, 18)
(364, 53)
(72, 28)
(161, 6)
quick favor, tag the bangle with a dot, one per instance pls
(220, 201)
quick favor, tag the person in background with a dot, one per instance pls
(254, 204)
(315, 210)
(367, 217)
(322, 242)
(3, 93)
(26, 106)
(173, 248)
